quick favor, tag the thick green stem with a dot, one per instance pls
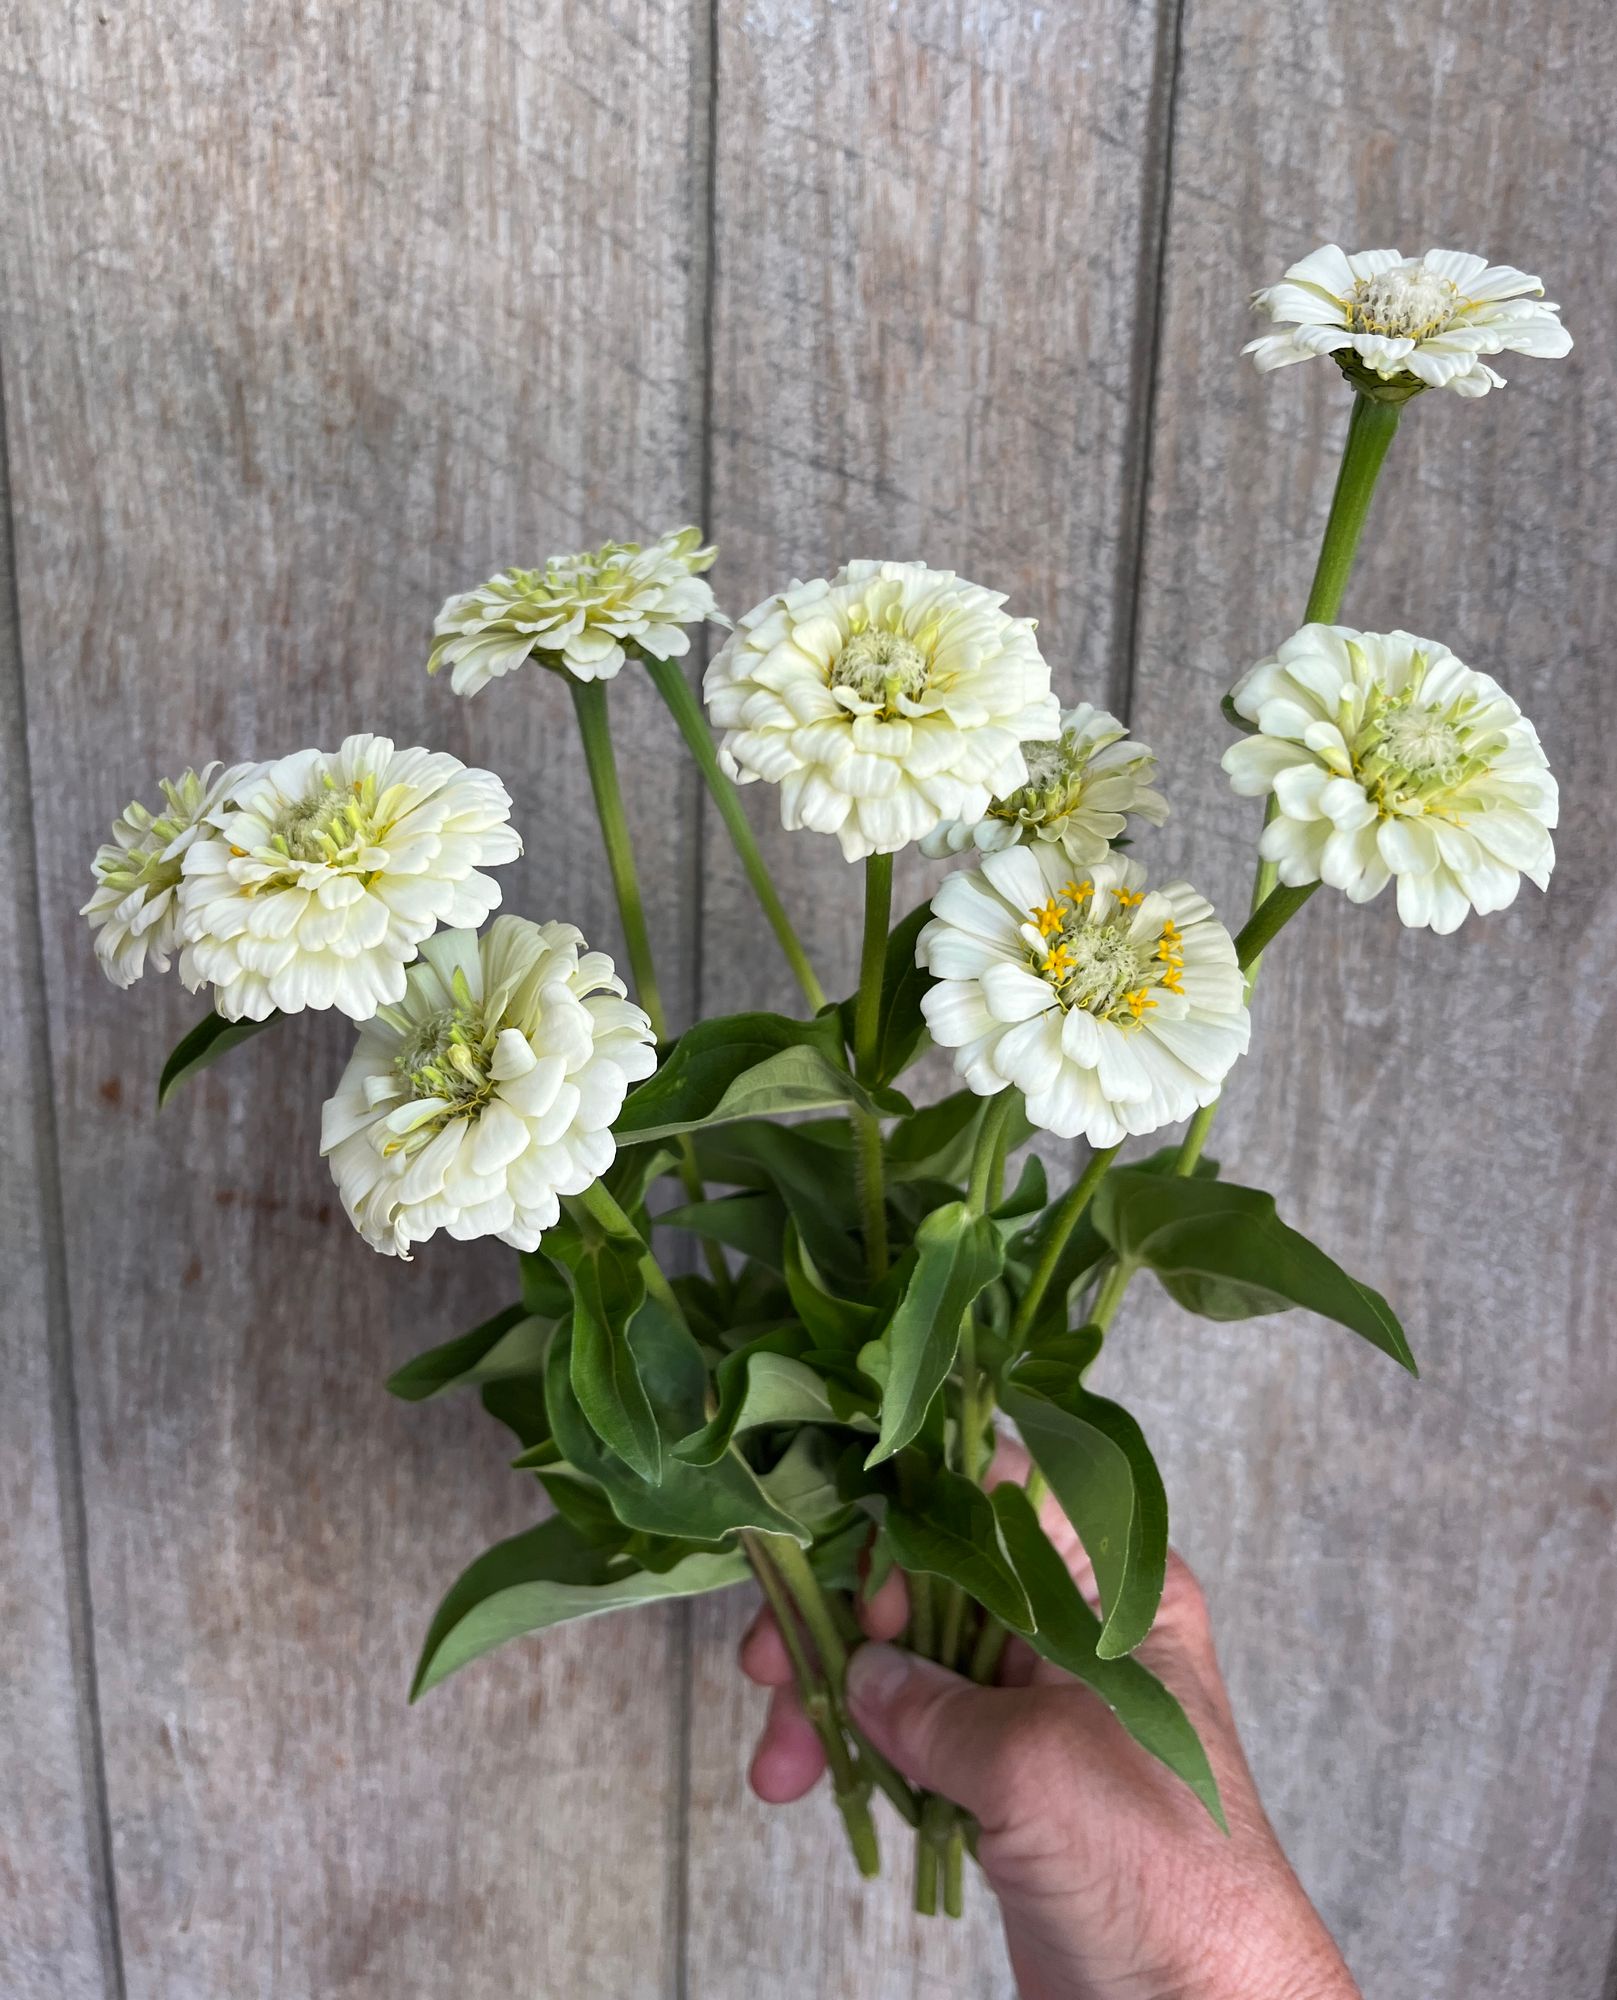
(677, 693)
(589, 703)
(605, 1211)
(985, 1656)
(1072, 1207)
(866, 1030)
(595, 732)
(988, 1154)
(852, 1792)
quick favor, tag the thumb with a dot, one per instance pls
(944, 1733)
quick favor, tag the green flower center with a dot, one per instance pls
(1093, 963)
(448, 1057)
(1406, 303)
(331, 826)
(1055, 782)
(881, 666)
(1407, 753)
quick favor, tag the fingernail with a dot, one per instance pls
(875, 1675)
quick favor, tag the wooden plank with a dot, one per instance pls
(54, 1935)
(1415, 1585)
(301, 331)
(928, 231)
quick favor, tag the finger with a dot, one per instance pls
(887, 1611)
(788, 1760)
(940, 1730)
(763, 1654)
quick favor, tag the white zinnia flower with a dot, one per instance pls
(323, 872)
(578, 611)
(135, 910)
(882, 701)
(488, 1092)
(1387, 757)
(1426, 322)
(1115, 1009)
(1080, 789)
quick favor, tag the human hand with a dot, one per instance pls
(1112, 1881)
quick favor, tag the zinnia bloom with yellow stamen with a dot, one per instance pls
(580, 613)
(1082, 788)
(1389, 758)
(1424, 323)
(488, 1092)
(320, 875)
(1124, 1018)
(882, 701)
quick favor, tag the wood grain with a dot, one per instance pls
(1415, 1585)
(929, 229)
(55, 1916)
(308, 322)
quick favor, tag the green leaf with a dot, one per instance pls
(838, 1325)
(804, 1481)
(900, 1025)
(754, 1224)
(1233, 716)
(1101, 1470)
(938, 1142)
(1223, 1252)
(957, 1253)
(545, 1577)
(759, 1385)
(691, 1503)
(608, 1290)
(1066, 1634)
(812, 1171)
(746, 1066)
(512, 1343)
(945, 1526)
(212, 1037)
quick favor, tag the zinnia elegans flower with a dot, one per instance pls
(1424, 323)
(1387, 757)
(882, 701)
(323, 872)
(488, 1092)
(578, 612)
(135, 910)
(1114, 1008)
(1080, 789)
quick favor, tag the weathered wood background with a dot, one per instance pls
(313, 313)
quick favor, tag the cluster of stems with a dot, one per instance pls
(818, 1628)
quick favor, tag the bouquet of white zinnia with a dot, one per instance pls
(765, 1308)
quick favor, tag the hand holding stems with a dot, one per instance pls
(1112, 1882)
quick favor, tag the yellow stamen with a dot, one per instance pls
(1048, 916)
(1077, 891)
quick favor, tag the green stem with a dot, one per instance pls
(866, 1030)
(989, 1150)
(686, 710)
(797, 1573)
(954, 1871)
(1276, 909)
(851, 1791)
(986, 1653)
(589, 703)
(922, 1622)
(604, 1210)
(1072, 1207)
(595, 732)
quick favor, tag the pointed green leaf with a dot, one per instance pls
(512, 1343)
(1223, 1252)
(691, 1503)
(760, 1385)
(746, 1066)
(838, 1325)
(212, 1037)
(937, 1143)
(1101, 1470)
(754, 1224)
(546, 1577)
(1066, 1634)
(945, 1526)
(957, 1253)
(811, 1169)
(608, 1290)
